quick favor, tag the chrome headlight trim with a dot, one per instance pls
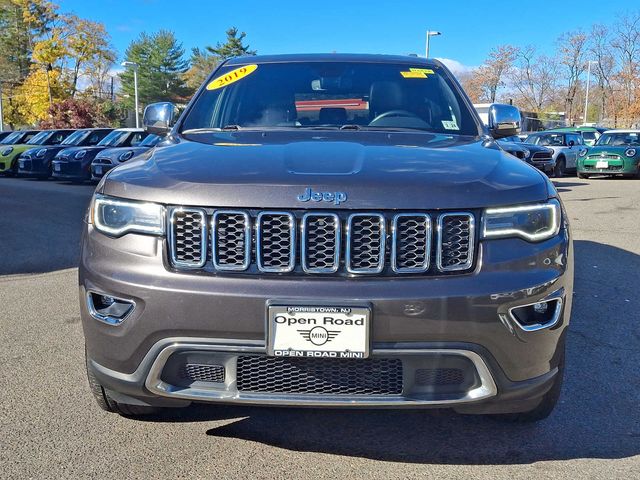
(497, 231)
(145, 217)
(80, 154)
(630, 152)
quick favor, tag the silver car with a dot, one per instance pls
(566, 149)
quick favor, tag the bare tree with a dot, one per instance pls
(605, 64)
(496, 68)
(534, 78)
(572, 47)
(626, 45)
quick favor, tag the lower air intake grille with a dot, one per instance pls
(439, 376)
(319, 376)
(202, 373)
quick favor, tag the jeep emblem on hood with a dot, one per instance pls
(335, 197)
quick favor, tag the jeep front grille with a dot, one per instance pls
(360, 243)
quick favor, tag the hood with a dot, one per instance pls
(70, 152)
(372, 169)
(614, 150)
(114, 154)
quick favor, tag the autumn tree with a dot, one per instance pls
(626, 45)
(161, 62)
(202, 64)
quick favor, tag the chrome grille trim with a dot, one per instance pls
(395, 238)
(215, 241)
(260, 247)
(470, 251)
(381, 249)
(172, 213)
(337, 243)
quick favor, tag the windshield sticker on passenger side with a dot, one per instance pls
(417, 73)
(450, 124)
(231, 77)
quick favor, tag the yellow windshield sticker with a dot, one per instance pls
(231, 77)
(417, 73)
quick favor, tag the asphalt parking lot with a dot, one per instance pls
(51, 427)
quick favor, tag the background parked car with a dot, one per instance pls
(112, 157)
(74, 163)
(565, 146)
(617, 152)
(36, 162)
(590, 135)
(5, 134)
(539, 157)
(9, 154)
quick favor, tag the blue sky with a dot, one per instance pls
(469, 29)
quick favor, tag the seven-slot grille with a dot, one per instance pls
(321, 242)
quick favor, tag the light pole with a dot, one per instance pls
(135, 66)
(1, 116)
(429, 35)
(586, 99)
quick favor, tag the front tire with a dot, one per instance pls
(560, 168)
(108, 404)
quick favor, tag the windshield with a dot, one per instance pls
(9, 139)
(546, 139)
(75, 138)
(331, 95)
(150, 141)
(622, 139)
(114, 139)
(40, 138)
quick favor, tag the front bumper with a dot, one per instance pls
(71, 170)
(33, 166)
(546, 166)
(100, 167)
(414, 319)
(615, 166)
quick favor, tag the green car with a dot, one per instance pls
(11, 147)
(590, 135)
(617, 152)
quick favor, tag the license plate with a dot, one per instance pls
(98, 170)
(56, 167)
(318, 331)
(21, 162)
(602, 164)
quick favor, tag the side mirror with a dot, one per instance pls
(504, 120)
(159, 118)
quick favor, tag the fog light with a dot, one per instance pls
(539, 315)
(108, 309)
(541, 307)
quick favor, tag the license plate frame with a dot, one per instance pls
(98, 169)
(602, 164)
(56, 167)
(318, 331)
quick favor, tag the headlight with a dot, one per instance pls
(630, 152)
(41, 153)
(533, 223)
(527, 153)
(7, 151)
(117, 217)
(583, 152)
(80, 154)
(125, 156)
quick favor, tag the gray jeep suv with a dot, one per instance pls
(327, 231)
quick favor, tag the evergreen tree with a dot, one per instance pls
(161, 67)
(233, 47)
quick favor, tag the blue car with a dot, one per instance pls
(37, 162)
(74, 163)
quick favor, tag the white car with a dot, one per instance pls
(566, 148)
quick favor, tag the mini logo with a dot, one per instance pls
(318, 335)
(335, 197)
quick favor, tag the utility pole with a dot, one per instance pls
(586, 100)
